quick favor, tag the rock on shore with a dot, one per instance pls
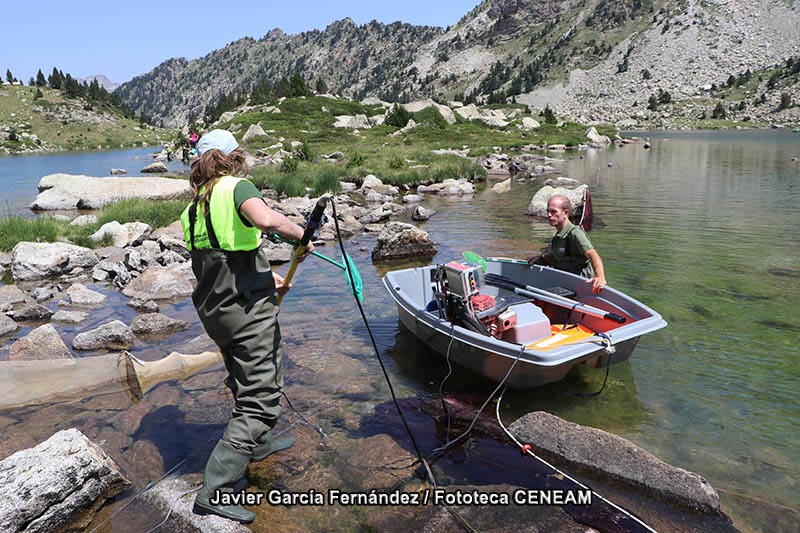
(67, 191)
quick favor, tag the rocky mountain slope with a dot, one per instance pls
(587, 59)
(52, 121)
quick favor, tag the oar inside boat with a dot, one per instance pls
(549, 297)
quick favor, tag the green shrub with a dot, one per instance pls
(397, 162)
(289, 165)
(398, 116)
(327, 181)
(303, 153)
(356, 160)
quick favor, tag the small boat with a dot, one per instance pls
(503, 312)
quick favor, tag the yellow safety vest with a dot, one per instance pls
(219, 225)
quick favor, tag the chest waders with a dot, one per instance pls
(235, 299)
(568, 258)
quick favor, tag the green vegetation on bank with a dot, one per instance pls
(15, 229)
(397, 158)
(42, 118)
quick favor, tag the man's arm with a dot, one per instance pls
(599, 279)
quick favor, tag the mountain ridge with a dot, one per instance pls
(587, 59)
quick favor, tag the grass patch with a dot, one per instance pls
(14, 229)
(157, 214)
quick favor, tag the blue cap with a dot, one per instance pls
(222, 140)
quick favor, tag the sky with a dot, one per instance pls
(124, 39)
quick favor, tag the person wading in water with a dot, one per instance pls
(236, 300)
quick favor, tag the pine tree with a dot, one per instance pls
(9, 76)
(56, 79)
(40, 79)
(549, 115)
(321, 86)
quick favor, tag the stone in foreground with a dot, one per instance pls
(399, 240)
(601, 455)
(56, 485)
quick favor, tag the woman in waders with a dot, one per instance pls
(236, 300)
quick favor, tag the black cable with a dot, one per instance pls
(375, 344)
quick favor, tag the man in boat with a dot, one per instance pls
(571, 249)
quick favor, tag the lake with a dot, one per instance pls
(700, 227)
(19, 174)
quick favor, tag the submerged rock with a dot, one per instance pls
(57, 485)
(156, 324)
(42, 343)
(596, 453)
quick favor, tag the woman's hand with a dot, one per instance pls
(306, 253)
(279, 287)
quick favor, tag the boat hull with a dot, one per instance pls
(493, 358)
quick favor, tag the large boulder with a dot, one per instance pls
(398, 240)
(601, 455)
(42, 343)
(448, 187)
(57, 485)
(538, 205)
(66, 191)
(39, 260)
(596, 138)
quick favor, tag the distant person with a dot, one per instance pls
(185, 154)
(193, 139)
(570, 249)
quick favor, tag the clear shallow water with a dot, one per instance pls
(700, 227)
(20, 174)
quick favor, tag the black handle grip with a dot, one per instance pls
(616, 318)
(313, 220)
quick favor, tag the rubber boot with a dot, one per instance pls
(225, 467)
(267, 446)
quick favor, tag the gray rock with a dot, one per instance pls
(38, 260)
(156, 324)
(122, 235)
(144, 306)
(448, 187)
(65, 191)
(155, 168)
(420, 213)
(160, 283)
(173, 244)
(69, 317)
(567, 183)
(113, 335)
(169, 496)
(41, 294)
(79, 294)
(399, 240)
(538, 205)
(117, 171)
(42, 343)
(168, 257)
(503, 186)
(278, 252)
(84, 220)
(114, 271)
(11, 294)
(255, 131)
(7, 325)
(30, 312)
(601, 455)
(56, 485)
